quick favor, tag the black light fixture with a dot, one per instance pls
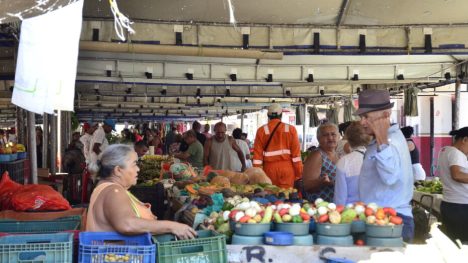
(198, 100)
(358, 90)
(310, 78)
(322, 91)
(246, 100)
(198, 94)
(400, 77)
(273, 100)
(288, 93)
(108, 73)
(164, 91)
(238, 111)
(189, 76)
(177, 100)
(269, 78)
(447, 76)
(233, 76)
(228, 91)
(149, 74)
(128, 90)
(355, 77)
(218, 100)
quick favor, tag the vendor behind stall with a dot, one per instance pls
(320, 167)
(453, 171)
(194, 153)
(387, 174)
(113, 208)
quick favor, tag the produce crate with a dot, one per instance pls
(155, 195)
(208, 247)
(36, 248)
(73, 213)
(15, 170)
(60, 225)
(97, 247)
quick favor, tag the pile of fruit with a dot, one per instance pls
(325, 212)
(382, 216)
(150, 168)
(432, 187)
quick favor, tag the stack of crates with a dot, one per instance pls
(16, 170)
(49, 245)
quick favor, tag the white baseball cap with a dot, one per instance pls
(275, 108)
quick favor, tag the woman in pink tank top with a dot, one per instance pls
(113, 208)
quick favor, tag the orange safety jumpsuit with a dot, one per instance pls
(282, 160)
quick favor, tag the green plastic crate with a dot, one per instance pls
(209, 247)
(36, 248)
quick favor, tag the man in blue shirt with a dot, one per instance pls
(386, 174)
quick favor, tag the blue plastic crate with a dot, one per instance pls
(41, 248)
(100, 247)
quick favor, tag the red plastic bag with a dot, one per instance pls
(37, 197)
(7, 188)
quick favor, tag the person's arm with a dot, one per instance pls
(411, 145)
(258, 149)
(239, 152)
(458, 175)
(341, 188)
(184, 156)
(206, 152)
(296, 154)
(311, 174)
(118, 211)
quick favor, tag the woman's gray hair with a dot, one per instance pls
(325, 125)
(114, 155)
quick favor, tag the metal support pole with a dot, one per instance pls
(456, 107)
(431, 131)
(304, 129)
(242, 120)
(45, 139)
(53, 144)
(32, 146)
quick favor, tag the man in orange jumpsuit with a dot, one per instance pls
(280, 156)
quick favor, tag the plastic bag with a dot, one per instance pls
(7, 188)
(36, 197)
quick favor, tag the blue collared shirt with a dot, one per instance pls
(387, 175)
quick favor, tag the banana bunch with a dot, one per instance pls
(155, 157)
(20, 148)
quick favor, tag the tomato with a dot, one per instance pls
(389, 211)
(369, 211)
(305, 216)
(244, 219)
(380, 214)
(283, 211)
(323, 218)
(359, 242)
(340, 208)
(396, 220)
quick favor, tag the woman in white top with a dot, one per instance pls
(348, 167)
(453, 172)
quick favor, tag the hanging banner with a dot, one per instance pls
(47, 60)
